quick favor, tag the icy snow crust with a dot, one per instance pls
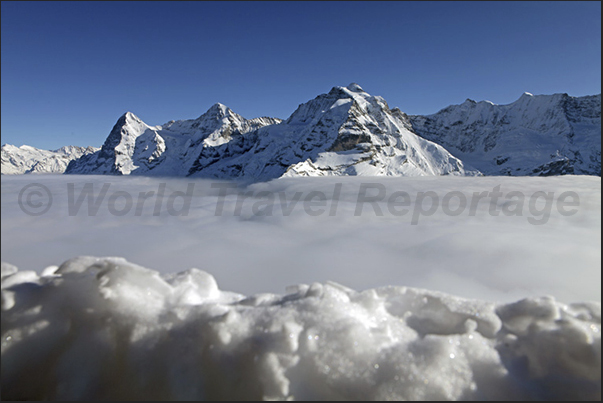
(105, 328)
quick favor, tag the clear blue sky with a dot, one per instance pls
(70, 69)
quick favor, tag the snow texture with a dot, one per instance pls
(105, 328)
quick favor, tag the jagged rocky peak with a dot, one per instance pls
(127, 125)
(128, 117)
(338, 100)
(217, 111)
(353, 91)
(131, 116)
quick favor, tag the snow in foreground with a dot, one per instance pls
(105, 328)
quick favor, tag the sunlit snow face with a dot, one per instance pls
(266, 236)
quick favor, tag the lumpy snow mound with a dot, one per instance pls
(104, 328)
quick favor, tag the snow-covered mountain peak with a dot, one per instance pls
(353, 91)
(217, 111)
(218, 115)
(22, 148)
(131, 116)
(553, 100)
(337, 103)
(527, 97)
(313, 110)
(350, 132)
(219, 106)
(342, 132)
(10, 147)
(355, 87)
(124, 127)
(170, 149)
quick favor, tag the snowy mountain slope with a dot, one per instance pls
(344, 132)
(133, 147)
(27, 159)
(349, 132)
(535, 135)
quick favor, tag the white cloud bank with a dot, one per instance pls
(491, 257)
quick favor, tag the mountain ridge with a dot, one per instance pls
(535, 135)
(350, 132)
(27, 159)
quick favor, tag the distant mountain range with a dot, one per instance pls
(535, 135)
(26, 159)
(345, 132)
